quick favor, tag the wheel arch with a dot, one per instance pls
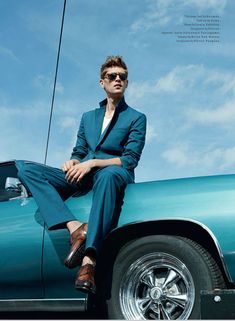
(190, 229)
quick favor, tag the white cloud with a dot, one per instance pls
(150, 133)
(59, 88)
(159, 12)
(227, 49)
(186, 79)
(37, 109)
(228, 158)
(71, 106)
(156, 14)
(177, 156)
(58, 153)
(179, 78)
(188, 96)
(138, 90)
(209, 160)
(215, 6)
(221, 115)
(22, 133)
(170, 83)
(21, 141)
(24, 130)
(46, 83)
(9, 53)
(224, 80)
(68, 123)
(176, 79)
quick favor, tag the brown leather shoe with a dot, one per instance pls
(79, 232)
(85, 279)
(77, 239)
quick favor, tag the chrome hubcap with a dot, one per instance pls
(157, 286)
(155, 293)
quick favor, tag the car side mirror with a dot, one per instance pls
(14, 186)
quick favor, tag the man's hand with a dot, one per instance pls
(69, 164)
(78, 171)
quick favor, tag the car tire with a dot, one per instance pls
(160, 277)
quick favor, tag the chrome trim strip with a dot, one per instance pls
(53, 305)
(115, 230)
(217, 246)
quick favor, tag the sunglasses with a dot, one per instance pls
(113, 76)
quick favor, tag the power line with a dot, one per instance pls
(55, 80)
(48, 134)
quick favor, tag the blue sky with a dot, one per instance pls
(187, 90)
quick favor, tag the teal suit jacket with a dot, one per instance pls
(124, 137)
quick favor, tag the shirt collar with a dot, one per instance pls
(120, 105)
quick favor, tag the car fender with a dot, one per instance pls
(189, 228)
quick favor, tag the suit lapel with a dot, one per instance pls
(99, 116)
(106, 129)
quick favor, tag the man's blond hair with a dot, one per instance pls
(112, 61)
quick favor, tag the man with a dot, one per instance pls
(109, 144)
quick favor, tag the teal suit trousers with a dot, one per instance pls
(50, 188)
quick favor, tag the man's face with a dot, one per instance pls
(115, 82)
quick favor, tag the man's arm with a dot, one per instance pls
(81, 149)
(135, 143)
(78, 171)
(129, 159)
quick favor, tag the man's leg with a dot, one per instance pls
(49, 188)
(108, 192)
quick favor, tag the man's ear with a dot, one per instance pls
(102, 83)
(127, 83)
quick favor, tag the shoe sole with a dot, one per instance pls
(85, 289)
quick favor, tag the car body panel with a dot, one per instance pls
(208, 201)
(58, 279)
(32, 257)
(21, 250)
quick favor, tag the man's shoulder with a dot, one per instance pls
(135, 112)
(90, 112)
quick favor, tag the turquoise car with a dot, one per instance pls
(174, 239)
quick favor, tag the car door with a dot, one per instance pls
(58, 279)
(21, 236)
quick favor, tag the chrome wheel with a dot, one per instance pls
(157, 286)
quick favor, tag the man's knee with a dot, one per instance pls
(20, 167)
(111, 173)
(26, 168)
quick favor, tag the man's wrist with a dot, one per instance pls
(92, 163)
